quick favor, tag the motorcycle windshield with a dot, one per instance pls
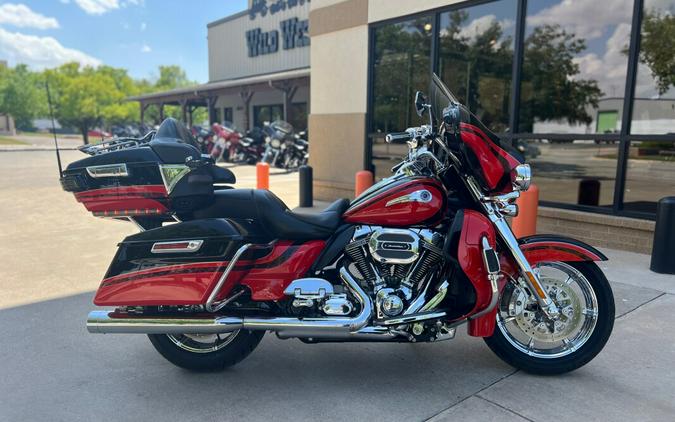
(440, 97)
(282, 126)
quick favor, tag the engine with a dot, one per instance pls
(394, 264)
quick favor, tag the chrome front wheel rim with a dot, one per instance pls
(524, 325)
(202, 343)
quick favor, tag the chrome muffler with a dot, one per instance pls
(108, 322)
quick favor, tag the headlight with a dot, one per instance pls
(523, 176)
(275, 143)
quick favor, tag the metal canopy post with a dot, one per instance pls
(289, 89)
(211, 103)
(161, 112)
(183, 109)
(143, 108)
(246, 96)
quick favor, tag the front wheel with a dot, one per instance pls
(526, 339)
(206, 352)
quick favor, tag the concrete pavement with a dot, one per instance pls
(54, 253)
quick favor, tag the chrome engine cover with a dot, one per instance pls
(394, 246)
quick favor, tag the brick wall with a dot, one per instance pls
(628, 234)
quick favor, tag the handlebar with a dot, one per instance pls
(398, 137)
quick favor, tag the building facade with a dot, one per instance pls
(581, 88)
(258, 69)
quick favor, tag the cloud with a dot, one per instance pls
(22, 16)
(143, 26)
(479, 25)
(40, 52)
(610, 68)
(146, 49)
(587, 18)
(98, 7)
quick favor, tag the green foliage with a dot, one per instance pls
(551, 89)
(21, 95)
(656, 49)
(84, 97)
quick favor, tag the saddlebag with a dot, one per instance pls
(178, 264)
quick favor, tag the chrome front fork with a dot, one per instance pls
(547, 305)
(497, 218)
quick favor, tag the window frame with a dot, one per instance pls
(624, 136)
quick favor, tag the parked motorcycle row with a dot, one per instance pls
(276, 143)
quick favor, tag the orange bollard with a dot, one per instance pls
(262, 174)
(364, 180)
(525, 224)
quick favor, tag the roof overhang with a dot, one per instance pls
(199, 93)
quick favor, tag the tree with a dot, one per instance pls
(84, 97)
(21, 95)
(551, 87)
(656, 49)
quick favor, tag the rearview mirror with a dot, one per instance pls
(420, 103)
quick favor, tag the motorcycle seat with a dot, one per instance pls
(273, 216)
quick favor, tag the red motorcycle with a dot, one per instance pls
(411, 259)
(227, 142)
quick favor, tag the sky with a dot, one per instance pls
(138, 35)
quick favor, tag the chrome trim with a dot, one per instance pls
(422, 196)
(523, 176)
(108, 170)
(337, 327)
(375, 245)
(212, 297)
(309, 288)
(102, 322)
(407, 319)
(136, 223)
(442, 290)
(192, 246)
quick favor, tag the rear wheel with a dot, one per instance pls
(206, 352)
(526, 339)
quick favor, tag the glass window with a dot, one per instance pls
(573, 172)
(654, 104)
(650, 175)
(401, 66)
(227, 114)
(574, 65)
(267, 113)
(476, 58)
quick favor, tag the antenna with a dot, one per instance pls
(56, 144)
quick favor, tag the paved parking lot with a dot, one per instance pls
(54, 253)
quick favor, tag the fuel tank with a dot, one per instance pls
(400, 201)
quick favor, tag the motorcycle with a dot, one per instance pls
(410, 260)
(227, 142)
(284, 148)
(204, 138)
(251, 147)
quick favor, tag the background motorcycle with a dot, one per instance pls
(226, 141)
(411, 259)
(284, 148)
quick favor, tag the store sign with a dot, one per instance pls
(261, 7)
(294, 33)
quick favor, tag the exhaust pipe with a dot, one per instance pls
(109, 322)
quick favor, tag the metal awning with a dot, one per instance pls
(214, 88)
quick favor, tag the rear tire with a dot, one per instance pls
(570, 355)
(228, 353)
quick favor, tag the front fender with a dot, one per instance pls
(551, 247)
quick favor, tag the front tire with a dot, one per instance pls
(206, 352)
(524, 339)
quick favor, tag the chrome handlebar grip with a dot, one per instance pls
(398, 137)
